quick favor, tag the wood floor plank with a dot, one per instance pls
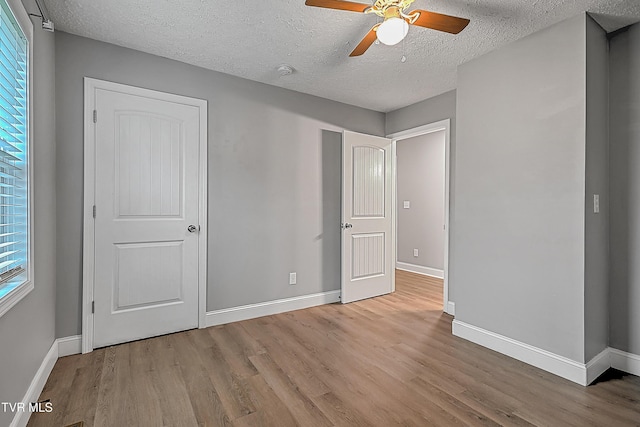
(55, 389)
(169, 384)
(230, 385)
(334, 368)
(385, 361)
(144, 382)
(234, 351)
(203, 396)
(466, 413)
(340, 412)
(87, 378)
(287, 356)
(111, 389)
(301, 407)
(270, 410)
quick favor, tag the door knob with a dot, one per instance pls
(347, 225)
(193, 228)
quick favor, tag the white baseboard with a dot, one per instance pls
(596, 366)
(545, 360)
(21, 419)
(251, 311)
(69, 345)
(623, 361)
(426, 271)
(451, 308)
(60, 348)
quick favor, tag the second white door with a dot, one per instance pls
(367, 242)
(147, 225)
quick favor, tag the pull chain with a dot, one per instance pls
(404, 58)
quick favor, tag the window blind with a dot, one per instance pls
(14, 209)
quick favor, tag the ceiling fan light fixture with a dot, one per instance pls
(392, 31)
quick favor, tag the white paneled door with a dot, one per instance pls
(147, 214)
(366, 212)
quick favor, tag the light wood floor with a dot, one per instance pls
(385, 361)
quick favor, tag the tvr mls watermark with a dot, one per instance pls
(31, 407)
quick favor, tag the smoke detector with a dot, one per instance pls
(285, 70)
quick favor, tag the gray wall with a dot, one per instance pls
(420, 171)
(433, 110)
(430, 110)
(624, 137)
(28, 329)
(274, 189)
(518, 241)
(596, 278)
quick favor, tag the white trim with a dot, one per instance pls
(88, 266)
(623, 361)
(451, 308)
(394, 213)
(418, 269)
(88, 240)
(421, 130)
(442, 125)
(583, 374)
(447, 200)
(13, 297)
(545, 360)
(203, 216)
(21, 419)
(596, 366)
(61, 347)
(19, 292)
(251, 311)
(69, 345)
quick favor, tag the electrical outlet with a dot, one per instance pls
(292, 278)
(406, 204)
(415, 253)
(596, 203)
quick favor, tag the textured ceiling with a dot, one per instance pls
(250, 39)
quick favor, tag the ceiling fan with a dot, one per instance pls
(396, 22)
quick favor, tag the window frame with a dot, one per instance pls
(22, 290)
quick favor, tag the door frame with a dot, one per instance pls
(88, 240)
(442, 125)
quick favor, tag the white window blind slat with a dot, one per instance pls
(6, 254)
(11, 65)
(5, 264)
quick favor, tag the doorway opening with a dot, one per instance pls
(421, 202)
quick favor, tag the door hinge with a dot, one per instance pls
(95, 116)
(94, 211)
(93, 307)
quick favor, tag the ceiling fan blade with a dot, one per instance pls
(438, 21)
(339, 4)
(366, 42)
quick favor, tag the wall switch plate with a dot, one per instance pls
(415, 253)
(406, 204)
(596, 203)
(292, 278)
